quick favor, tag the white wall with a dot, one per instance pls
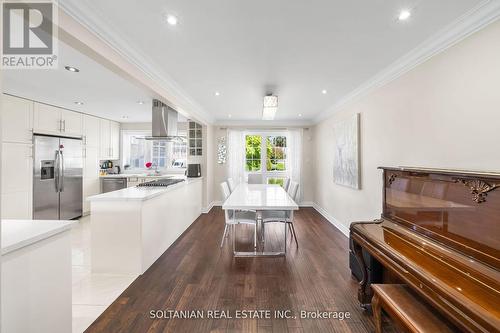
(445, 113)
(221, 173)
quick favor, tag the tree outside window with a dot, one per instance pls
(272, 165)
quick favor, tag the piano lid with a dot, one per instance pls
(460, 209)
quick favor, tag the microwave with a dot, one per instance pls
(193, 170)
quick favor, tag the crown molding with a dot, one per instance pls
(90, 18)
(474, 20)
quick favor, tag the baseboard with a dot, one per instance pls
(306, 204)
(336, 223)
(207, 209)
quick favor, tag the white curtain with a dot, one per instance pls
(236, 155)
(294, 143)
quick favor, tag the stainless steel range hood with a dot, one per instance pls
(164, 123)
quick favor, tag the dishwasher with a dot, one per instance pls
(113, 184)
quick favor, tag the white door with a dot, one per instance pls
(105, 139)
(71, 123)
(91, 126)
(17, 119)
(90, 175)
(17, 181)
(47, 119)
(115, 140)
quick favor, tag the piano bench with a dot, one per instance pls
(406, 309)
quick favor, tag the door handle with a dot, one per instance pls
(61, 160)
(57, 171)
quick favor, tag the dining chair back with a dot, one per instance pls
(293, 189)
(286, 184)
(225, 190)
(254, 178)
(230, 183)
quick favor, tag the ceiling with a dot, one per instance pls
(103, 92)
(245, 49)
(241, 49)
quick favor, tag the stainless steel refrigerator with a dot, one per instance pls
(57, 178)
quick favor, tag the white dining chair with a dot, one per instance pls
(234, 217)
(286, 184)
(254, 178)
(284, 216)
(230, 183)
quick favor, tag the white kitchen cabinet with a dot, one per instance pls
(17, 119)
(110, 140)
(91, 153)
(49, 119)
(105, 139)
(91, 185)
(115, 140)
(17, 181)
(71, 123)
(91, 132)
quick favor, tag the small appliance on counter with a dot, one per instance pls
(108, 168)
(193, 170)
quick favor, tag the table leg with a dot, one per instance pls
(285, 235)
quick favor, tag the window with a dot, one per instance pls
(276, 153)
(253, 149)
(273, 164)
(137, 151)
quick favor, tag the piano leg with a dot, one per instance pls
(364, 296)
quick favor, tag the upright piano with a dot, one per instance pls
(440, 235)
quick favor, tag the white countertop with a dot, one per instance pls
(17, 234)
(259, 197)
(140, 193)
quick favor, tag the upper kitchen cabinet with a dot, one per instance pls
(115, 140)
(53, 120)
(91, 131)
(110, 140)
(17, 119)
(195, 139)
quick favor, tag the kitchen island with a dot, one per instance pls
(36, 276)
(131, 228)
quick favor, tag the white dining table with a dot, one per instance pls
(260, 197)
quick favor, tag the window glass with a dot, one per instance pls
(137, 151)
(253, 153)
(276, 153)
(277, 181)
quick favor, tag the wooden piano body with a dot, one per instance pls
(440, 235)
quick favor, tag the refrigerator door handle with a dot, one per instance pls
(61, 188)
(58, 172)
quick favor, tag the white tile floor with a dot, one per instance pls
(92, 293)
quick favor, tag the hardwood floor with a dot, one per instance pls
(194, 274)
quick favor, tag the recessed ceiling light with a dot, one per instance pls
(324, 92)
(141, 102)
(72, 69)
(217, 93)
(229, 116)
(404, 15)
(172, 20)
(78, 103)
(300, 114)
(124, 117)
